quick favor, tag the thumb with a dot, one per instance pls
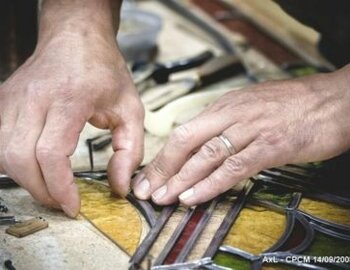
(127, 144)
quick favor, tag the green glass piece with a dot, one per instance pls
(325, 245)
(231, 261)
(304, 71)
(277, 196)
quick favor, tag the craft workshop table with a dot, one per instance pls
(76, 244)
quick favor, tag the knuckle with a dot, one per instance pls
(158, 167)
(187, 171)
(212, 150)
(58, 189)
(8, 155)
(33, 88)
(66, 97)
(43, 153)
(214, 185)
(271, 138)
(13, 157)
(44, 199)
(139, 157)
(234, 166)
(180, 177)
(181, 135)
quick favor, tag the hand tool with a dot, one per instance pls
(143, 73)
(215, 70)
(6, 182)
(6, 220)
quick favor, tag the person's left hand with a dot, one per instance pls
(269, 125)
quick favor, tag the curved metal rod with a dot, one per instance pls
(309, 234)
(329, 228)
(145, 208)
(286, 234)
(294, 203)
(292, 217)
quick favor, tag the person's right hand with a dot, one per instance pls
(75, 75)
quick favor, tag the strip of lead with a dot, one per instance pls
(175, 236)
(151, 237)
(197, 232)
(228, 220)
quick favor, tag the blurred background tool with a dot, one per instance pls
(143, 71)
(6, 182)
(215, 70)
(138, 32)
(212, 31)
(7, 220)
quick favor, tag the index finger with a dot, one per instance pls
(181, 145)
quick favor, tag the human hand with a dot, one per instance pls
(75, 75)
(269, 125)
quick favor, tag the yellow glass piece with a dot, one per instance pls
(326, 211)
(115, 217)
(256, 230)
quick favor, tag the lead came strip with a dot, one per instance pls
(228, 221)
(185, 234)
(197, 232)
(151, 237)
(173, 239)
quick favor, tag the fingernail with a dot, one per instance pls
(137, 179)
(69, 211)
(159, 193)
(142, 189)
(187, 194)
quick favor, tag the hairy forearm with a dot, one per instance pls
(81, 17)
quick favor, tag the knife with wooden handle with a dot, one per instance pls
(213, 71)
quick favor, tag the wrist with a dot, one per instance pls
(78, 18)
